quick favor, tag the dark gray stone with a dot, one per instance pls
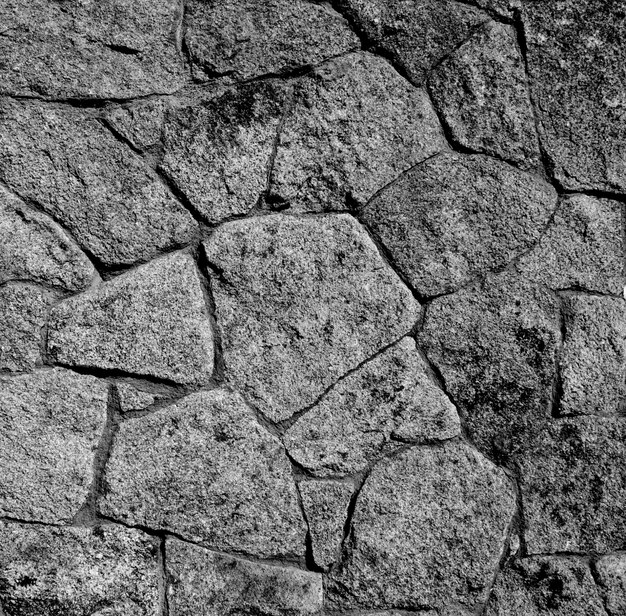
(141, 123)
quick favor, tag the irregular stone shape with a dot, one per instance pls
(106, 570)
(428, 530)
(204, 583)
(218, 151)
(495, 346)
(481, 92)
(417, 34)
(300, 302)
(388, 401)
(75, 170)
(575, 57)
(353, 126)
(543, 586)
(141, 124)
(151, 321)
(36, 249)
(593, 362)
(133, 399)
(455, 217)
(246, 38)
(611, 577)
(326, 508)
(583, 247)
(50, 424)
(204, 469)
(105, 49)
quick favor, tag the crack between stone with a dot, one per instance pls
(164, 606)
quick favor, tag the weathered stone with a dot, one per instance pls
(495, 345)
(151, 321)
(105, 49)
(576, 56)
(141, 124)
(501, 8)
(455, 217)
(482, 95)
(611, 577)
(300, 302)
(203, 583)
(388, 401)
(428, 531)
(204, 469)
(133, 399)
(246, 38)
(353, 126)
(218, 151)
(104, 571)
(50, 425)
(35, 249)
(583, 247)
(75, 170)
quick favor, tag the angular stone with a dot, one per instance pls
(106, 49)
(495, 346)
(133, 399)
(50, 424)
(481, 92)
(106, 570)
(141, 124)
(203, 582)
(611, 577)
(151, 321)
(388, 401)
(576, 62)
(455, 217)
(583, 247)
(300, 302)
(204, 469)
(245, 38)
(353, 126)
(428, 530)
(218, 151)
(75, 170)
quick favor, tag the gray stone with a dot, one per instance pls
(246, 38)
(203, 583)
(133, 399)
(481, 92)
(353, 126)
(455, 217)
(204, 469)
(151, 321)
(611, 576)
(105, 49)
(104, 571)
(141, 123)
(300, 302)
(64, 160)
(388, 401)
(428, 530)
(50, 424)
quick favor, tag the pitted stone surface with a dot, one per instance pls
(428, 530)
(141, 124)
(300, 302)
(204, 469)
(133, 399)
(352, 127)
(104, 571)
(51, 422)
(389, 401)
(151, 321)
(611, 577)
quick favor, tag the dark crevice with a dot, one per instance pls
(163, 579)
(557, 386)
(87, 102)
(593, 569)
(123, 49)
(308, 555)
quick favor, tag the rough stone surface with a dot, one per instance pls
(246, 38)
(120, 210)
(105, 49)
(204, 469)
(455, 217)
(611, 577)
(133, 399)
(300, 302)
(50, 424)
(141, 124)
(353, 126)
(151, 321)
(203, 583)
(390, 400)
(106, 570)
(428, 530)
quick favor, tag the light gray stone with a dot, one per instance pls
(133, 399)
(300, 302)
(140, 123)
(204, 469)
(151, 321)
(51, 422)
(388, 401)
(611, 576)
